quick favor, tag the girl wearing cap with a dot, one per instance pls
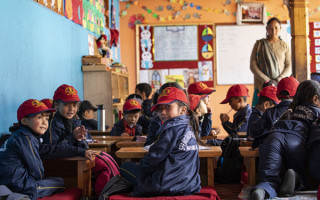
(172, 165)
(64, 128)
(202, 90)
(21, 168)
(270, 58)
(128, 125)
(285, 145)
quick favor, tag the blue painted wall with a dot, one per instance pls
(40, 50)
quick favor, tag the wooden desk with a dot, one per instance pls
(75, 171)
(209, 137)
(215, 151)
(129, 144)
(113, 138)
(242, 134)
(99, 133)
(102, 145)
(249, 157)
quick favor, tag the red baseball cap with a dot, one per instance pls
(169, 95)
(270, 92)
(199, 88)
(48, 102)
(194, 101)
(66, 93)
(131, 104)
(289, 84)
(32, 107)
(238, 90)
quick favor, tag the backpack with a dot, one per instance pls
(105, 168)
(116, 184)
(229, 163)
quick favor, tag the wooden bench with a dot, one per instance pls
(211, 155)
(99, 133)
(249, 156)
(129, 144)
(103, 145)
(75, 171)
(113, 138)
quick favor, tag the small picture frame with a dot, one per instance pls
(316, 34)
(318, 67)
(250, 13)
(317, 50)
(317, 42)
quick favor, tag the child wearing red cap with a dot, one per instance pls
(267, 99)
(287, 144)
(286, 89)
(128, 126)
(21, 168)
(201, 89)
(237, 99)
(64, 128)
(49, 104)
(171, 166)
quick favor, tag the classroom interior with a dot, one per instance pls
(42, 49)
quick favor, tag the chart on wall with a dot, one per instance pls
(314, 36)
(180, 53)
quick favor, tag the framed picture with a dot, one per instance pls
(251, 12)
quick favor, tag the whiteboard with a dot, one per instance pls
(234, 44)
(175, 43)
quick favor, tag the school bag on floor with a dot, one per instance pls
(105, 168)
(116, 185)
(229, 163)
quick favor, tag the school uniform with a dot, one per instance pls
(121, 126)
(144, 122)
(146, 107)
(285, 145)
(91, 124)
(21, 168)
(172, 165)
(254, 117)
(155, 124)
(205, 124)
(313, 150)
(58, 133)
(265, 123)
(240, 121)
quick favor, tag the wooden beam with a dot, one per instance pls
(299, 44)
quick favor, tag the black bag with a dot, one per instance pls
(229, 163)
(116, 184)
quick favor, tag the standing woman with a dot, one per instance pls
(270, 58)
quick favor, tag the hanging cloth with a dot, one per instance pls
(267, 60)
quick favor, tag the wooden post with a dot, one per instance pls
(299, 44)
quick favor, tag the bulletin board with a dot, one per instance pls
(182, 53)
(314, 36)
(234, 44)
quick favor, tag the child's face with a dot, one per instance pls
(132, 118)
(168, 111)
(88, 114)
(38, 123)
(202, 109)
(142, 94)
(68, 110)
(235, 103)
(206, 100)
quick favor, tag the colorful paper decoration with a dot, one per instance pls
(74, 11)
(136, 19)
(93, 18)
(146, 44)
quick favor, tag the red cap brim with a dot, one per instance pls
(225, 101)
(162, 103)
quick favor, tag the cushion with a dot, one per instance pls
(205, 193)
(68, 194)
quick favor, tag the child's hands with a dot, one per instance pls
(79, 133)
(215, 131)
(125, 134)
(224, 117)
(90, 154)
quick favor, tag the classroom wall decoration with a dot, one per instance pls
(93, 18)
(314, 38)
(74, 11)
(181, 53)
(55, 5)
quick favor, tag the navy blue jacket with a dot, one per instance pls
(146, 106)
(20, 160)
(91, 124)
(57, 133)
(118, 129)
(172, 165)
(155, 124)
(269, 117)
(144, 122)
(240, 121)
(254, 117)
(205, 125)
